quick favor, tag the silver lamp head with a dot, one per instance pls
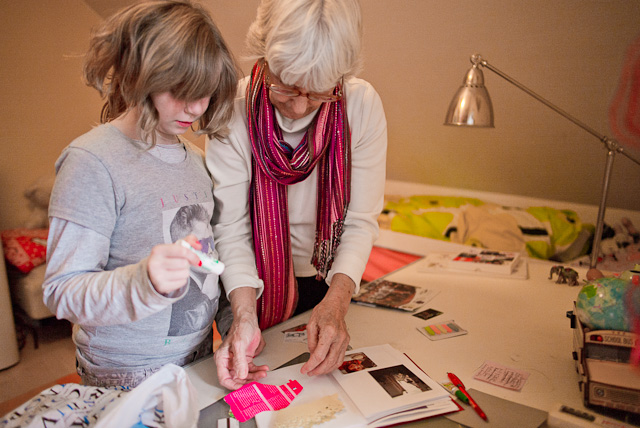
(471, 105)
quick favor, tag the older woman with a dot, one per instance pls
(298, 182)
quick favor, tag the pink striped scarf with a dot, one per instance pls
(275, 164)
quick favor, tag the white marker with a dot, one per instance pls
(207, 263)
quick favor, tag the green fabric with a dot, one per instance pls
(425, 202)
(434, 216)
(421, 214)
(563, 226)
(539, 249)
(431, 224)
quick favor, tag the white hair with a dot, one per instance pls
(310, 43)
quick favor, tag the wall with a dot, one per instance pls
(569, 51)
(416, 55)
(44, 103)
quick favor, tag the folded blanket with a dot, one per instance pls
(430, 216)
(540, 232)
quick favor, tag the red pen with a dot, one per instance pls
(457, 382)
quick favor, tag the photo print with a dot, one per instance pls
(355, 363)
(398, 381)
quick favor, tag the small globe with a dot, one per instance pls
(601, 304)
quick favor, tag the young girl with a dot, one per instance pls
(123, 188)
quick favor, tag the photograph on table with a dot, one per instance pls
(356, 362)
(394, 295)
(398, 381)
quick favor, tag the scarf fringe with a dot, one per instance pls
(324, 250)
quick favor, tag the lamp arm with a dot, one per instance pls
(610, 144)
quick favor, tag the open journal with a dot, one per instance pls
(394, 295)
(375, 386)
(442, 263)
(483, 260)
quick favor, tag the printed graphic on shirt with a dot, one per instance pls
(177, 199)
(196, 309)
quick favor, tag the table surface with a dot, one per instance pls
(521, 324)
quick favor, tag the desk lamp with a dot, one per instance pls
(471, 106)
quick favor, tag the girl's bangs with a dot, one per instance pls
(197, 73)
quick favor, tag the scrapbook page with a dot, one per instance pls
(375, 386)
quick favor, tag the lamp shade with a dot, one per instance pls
(471, 105)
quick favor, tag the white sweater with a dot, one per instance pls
(229, 162)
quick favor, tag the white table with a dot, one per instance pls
(521, 324)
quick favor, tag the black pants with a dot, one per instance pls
(310, 293)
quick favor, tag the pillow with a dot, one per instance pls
(25, 248)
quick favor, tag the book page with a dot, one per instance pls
(484, 260)
(438, 400)
(385, 381)
(394, 295)
(438, 263)
(314, 388)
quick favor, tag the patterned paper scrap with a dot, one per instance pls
(254, 398)
(295, 336)
(497, 374)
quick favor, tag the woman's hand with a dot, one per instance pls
(327, 334)
(168, 265)
(234, 358)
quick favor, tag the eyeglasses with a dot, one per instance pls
(313, 96)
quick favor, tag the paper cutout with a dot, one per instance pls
(310, 414)
(384, 260)
(254, 398)
(499, 375)
(296, 334)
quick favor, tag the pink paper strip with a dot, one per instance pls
(254, 398)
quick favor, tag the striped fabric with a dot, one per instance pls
(275, 165)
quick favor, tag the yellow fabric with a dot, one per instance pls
(539, 249)
(542, 232)
(431, 225)
(430, 202)
(563, 226)
(429, 216)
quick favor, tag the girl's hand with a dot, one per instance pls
(168, 265)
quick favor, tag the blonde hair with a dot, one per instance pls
(162, 46)
(312, 43)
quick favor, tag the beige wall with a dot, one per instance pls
(416, 54)
(43, 102)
